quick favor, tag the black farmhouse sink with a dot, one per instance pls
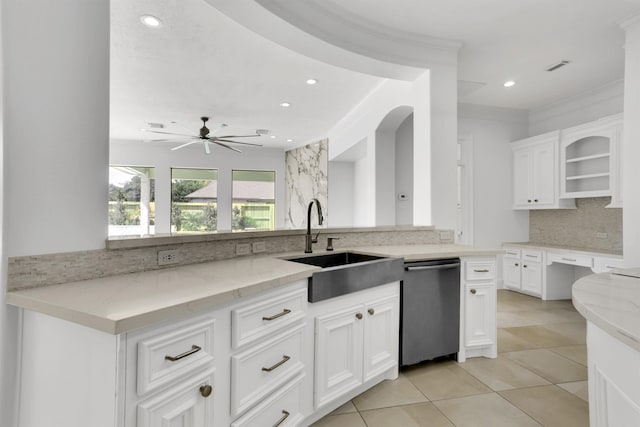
(346, 272)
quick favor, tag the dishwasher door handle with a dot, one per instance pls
(432, 267)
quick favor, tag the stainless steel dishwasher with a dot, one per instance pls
(430, 310)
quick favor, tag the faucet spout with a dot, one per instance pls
(309, 240)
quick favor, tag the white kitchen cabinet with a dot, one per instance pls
(478, 334)
(614, 380)
(535, 173)
(589, 160)
(356, 342)
(523, 270)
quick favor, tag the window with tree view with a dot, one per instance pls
(253, 200)
(194, 200)
(131, 200)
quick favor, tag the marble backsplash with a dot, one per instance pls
(43, 270)
(583, 227)
(306, 178)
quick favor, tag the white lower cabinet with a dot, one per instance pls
(523, 270)
(478, 335)
(188, 404)
(356, 342)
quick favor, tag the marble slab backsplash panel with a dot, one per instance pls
(581, 227)
(306, 178)
(51, 269)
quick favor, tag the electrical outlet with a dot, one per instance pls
(243, 248)
(446, 235)
(258, 247)
(602, 235)
(167, 257)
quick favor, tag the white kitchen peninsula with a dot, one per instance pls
(611, 305)
(231, 342)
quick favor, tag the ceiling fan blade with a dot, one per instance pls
(184, 145)
(226, 146)
(206, 146)
(169, 133)
(238, 136)
(218, 128)
(238, 142)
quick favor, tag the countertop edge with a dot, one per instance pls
(566, 249)
(613, 328)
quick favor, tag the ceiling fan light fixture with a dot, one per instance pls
(285, 104)
(151, 21)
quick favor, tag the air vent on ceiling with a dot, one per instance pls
(155, 125)
(557, 65)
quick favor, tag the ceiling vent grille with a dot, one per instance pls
(557, 65)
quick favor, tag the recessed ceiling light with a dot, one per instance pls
(289, 140)
(272, 137)
(509, 83)
(150, 21)
(312, 81)
(285, 104)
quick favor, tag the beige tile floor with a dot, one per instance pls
(538, 379)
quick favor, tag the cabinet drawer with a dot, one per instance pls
(569, 258)
(283, 408)
(260, 370)
(254, 321)
(169, 355)
(530, 255)
(512, 253)
(480, 270)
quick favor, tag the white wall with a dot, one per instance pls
(404, 172)
(581, 108)
(385, 177)
(341, 197)
(631, 145)
(492, 130)
(134, 153)
(55, 132)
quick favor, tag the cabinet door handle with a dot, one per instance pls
(275, 316)
(473, 291)
(285, 358)
(484, 270)
(529, 200)
(535, 200)
(194, 349)
(205, 390)
(285, 415)
(371, 311)
(516, 264)
(358, 316)
(524, 266)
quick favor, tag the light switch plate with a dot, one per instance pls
(602, 235)
(258, 247)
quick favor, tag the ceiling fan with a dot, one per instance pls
(206, 137)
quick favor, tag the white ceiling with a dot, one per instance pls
(200, 62)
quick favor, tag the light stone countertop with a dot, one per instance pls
(612, 303)
(568, 249)
(118, 304)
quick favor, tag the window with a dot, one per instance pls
(194, 200)
(253, 204)
(131, 200)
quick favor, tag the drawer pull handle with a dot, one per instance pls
(194, 349)
(473, 291)
(371, 311)
(285, 415)
(531, 256)
(569, 259)
(275, 316)
(206, 390)
(484, 270)
(282, 362)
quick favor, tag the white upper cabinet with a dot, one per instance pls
(535, 173)
(589, 165)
